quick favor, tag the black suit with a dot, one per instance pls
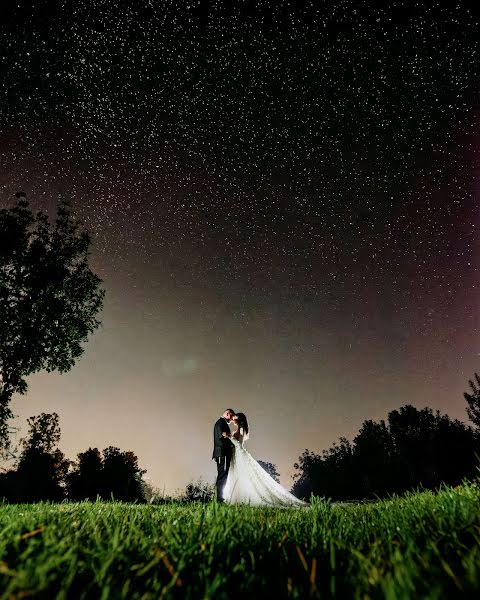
(222, 453)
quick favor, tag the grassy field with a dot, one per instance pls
(423, 545)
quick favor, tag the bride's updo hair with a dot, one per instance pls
(242, 422)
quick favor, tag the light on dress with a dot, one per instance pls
(249, 483)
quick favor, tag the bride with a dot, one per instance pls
(247, 481)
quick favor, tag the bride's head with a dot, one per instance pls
(241, 421)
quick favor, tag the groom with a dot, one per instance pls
(222, 449)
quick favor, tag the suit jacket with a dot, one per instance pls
(222, 446)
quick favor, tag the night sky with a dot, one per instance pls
(284, 203)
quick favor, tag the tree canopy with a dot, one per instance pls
(42, 471)
(49, 297)
(112, 474)
(42, 466)
(415, 447)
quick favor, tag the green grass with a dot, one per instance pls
(423, 545)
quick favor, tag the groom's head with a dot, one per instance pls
(228, 414)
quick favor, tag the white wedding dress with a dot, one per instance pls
(249, 483)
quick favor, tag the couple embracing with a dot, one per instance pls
(240, 479)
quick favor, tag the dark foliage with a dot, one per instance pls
(43, 432)
(197, 491)
(271, 469)
(473, 401)
(43, 473)
(85, 481)
(41, 468)
(49, 297)
(112, 475)
(414, 448)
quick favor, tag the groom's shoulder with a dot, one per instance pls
(222, 424)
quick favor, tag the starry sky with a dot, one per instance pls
(284, 203)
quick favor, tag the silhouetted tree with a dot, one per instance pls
(415, 448)
(271, 469)
(49, 297)
(43, 433)
(473, 401)
(455, 451)
(111, 475)
(412, 434)
(331, 474)
(42, 472)
(40, 475)
(84, 482)
(339, 468)
(42, 468)
(198, 491)
(373, 454)
(121, 476)
(308, 480)
(430, 448)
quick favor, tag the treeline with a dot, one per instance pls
(42, 472)
(413, 448)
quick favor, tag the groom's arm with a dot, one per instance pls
(220, 434)
(226, 433)
(223, 429)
